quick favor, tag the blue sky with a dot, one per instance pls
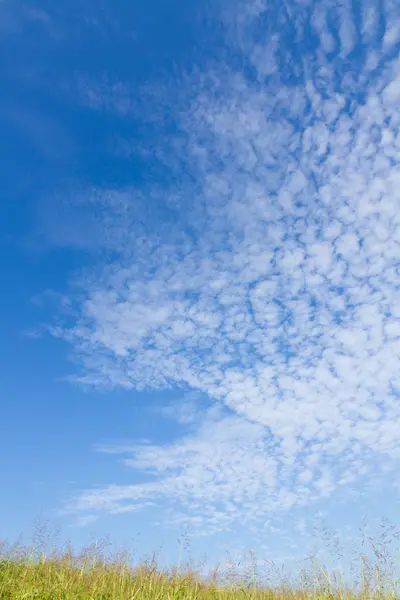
(200, 233)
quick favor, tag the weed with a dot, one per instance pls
(38, 573)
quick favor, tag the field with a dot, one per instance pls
(35, 572)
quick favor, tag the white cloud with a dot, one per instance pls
(319, 23)
(282, 307)
(347, 28)
(85, 520)
(370, 21)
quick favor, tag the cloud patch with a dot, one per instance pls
(276, 293)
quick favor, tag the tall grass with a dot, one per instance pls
(36, 572)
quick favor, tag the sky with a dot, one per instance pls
(200, 242)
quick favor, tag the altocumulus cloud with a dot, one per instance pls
(279, 298)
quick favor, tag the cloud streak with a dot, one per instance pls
(277, 296)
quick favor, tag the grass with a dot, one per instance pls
(28, 573)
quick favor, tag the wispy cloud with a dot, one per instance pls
(277, 295)
(14, 16)
(85, 520)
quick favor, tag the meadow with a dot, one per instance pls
(40, 572)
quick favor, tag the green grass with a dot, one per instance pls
(31, 572)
